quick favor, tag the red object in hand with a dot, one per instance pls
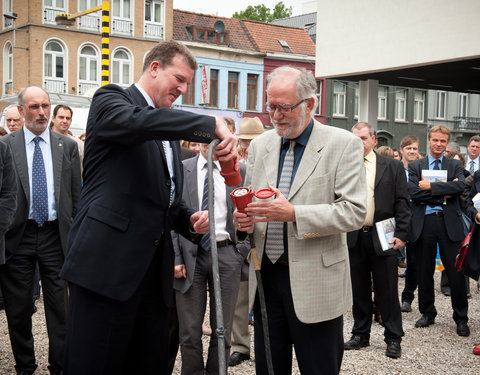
(241, 197)
(264, 193)
(228, 172)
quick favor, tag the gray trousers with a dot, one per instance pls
(240, 334)
(192, 304)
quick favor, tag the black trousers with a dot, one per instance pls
(107, 336)
(411, 282)
(434, 231)
(366, 265)
(318, 346)
(40, 245)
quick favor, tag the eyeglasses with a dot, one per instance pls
(282, 108)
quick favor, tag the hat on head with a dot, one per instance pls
(250, 128)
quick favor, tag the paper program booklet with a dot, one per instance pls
(433, 175)
(476, 202)
(386, 231)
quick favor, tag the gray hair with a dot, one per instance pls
(454, 146)
(361, 125)
(24, 90)
(306, 83)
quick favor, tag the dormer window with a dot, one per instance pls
(209, 35)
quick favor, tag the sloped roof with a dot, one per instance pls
(307, 22)
(268, 38)
(238, 37)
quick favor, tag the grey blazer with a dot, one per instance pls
(329, 195)
(185, 250)
(66, 174)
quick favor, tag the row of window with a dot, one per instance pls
(121, 15)
(441, 105)
(339, 100)
(89, 68)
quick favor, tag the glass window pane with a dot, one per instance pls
(82, 74)
(115, 72)
(158, 13)
(87, 50)
(48, 65)
(122, 55)
(126, 8)
(59, 67)
(126, 73)
(54, 46)
(116, 8)
(148, 11)
(59, 3)
(200, 35)
(93, 70)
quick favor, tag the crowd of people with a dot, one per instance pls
(117, 229)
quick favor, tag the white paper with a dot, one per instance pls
(386, 231)
(476, 201)
(435, 175)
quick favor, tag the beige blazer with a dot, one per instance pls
(329, 195)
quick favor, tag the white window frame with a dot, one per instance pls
(463, 105)
(7, 9)
(356, 99)
(382, 102)
(122, 66)
(154, 29)
(53, 83)
(336, 110)
(419, 106)
(401, 103)
(122, 24)
(90, 21)
(318, 94)
(7, 67)
(50, 11)
(440, 104)
(88, 83)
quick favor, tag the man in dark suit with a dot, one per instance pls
(387, 197)
(437, 218)
(48, 170)
(120, 261)
(193, 268)
(8, 195)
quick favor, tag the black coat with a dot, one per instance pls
(124, 212)
(8, 195)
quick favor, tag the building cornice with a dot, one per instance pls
(216, 47)
(290, 56)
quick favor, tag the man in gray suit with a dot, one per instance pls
(193, 267)
(321, 195)
(48, 171)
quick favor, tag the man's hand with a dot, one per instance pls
(227, 148)
(199, 222)
(398, 243)
(424, 184)
(180, 271)
(243, 222)
(278, 209)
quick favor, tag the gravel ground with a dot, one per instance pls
(425, 351)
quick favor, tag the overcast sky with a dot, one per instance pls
(226, 8)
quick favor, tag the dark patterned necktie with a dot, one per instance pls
(472, 167)
(436, 167)
(39, 186)
(205, 240)
(274, 243)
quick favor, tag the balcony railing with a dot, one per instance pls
(122, 26)
(153, 30)
(90, 22)
(83, 87)
(49, 14)
(56, 86)
(466, 123)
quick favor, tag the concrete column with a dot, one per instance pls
(368, 102)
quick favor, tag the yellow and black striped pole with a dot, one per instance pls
(105, 42)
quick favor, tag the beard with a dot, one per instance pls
(295, 127)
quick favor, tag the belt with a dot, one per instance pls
(46, 224)
(223, 243)
(436, 213)
(366, 229)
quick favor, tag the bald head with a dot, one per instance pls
(34, 106)
(13, 119)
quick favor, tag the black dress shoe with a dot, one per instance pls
(357, 342)
(424, 321)
(462, 329)
(236, 358)
(393, 350)
(406, 307)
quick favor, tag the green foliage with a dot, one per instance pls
(263, 14)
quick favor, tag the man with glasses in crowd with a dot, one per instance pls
(299, 235)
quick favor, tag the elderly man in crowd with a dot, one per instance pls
(316, 172)
(13, 118)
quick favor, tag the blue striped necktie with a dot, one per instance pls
(205, 240)
(274, 243)
(39, 186)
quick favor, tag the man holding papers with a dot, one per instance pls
(387, 198)
(437, 218)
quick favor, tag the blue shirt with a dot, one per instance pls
(46, 149)
(300, 144)
(431, 163)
